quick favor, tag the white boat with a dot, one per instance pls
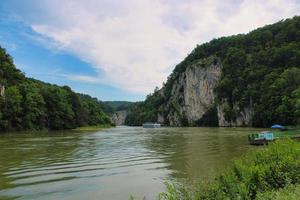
(151, 125)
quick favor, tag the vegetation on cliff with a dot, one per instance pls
(28, 104)
(145, 111)
(260, 71)
(111, 107)
(264, 174)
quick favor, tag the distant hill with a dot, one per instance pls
(113, 106)
(242, 80)
(117, 110)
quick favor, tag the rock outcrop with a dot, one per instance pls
(2, 90)
(119, 117)
(243, 116)
(192, 96)
(193, 92)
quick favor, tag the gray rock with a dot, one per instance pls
(119, 117)
(192, 94)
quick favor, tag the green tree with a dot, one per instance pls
(12, 112)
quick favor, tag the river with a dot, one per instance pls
(113, 164)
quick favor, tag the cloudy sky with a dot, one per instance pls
(121, 49)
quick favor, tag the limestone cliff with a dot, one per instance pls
(192, 93)
(2, 90)
(193, 96)
(247, 79)
(119, 117)
(243, 116)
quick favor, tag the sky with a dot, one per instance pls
(122, 49)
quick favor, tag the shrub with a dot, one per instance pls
(274, 170)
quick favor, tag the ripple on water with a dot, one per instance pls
(111, 164)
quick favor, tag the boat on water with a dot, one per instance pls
(261, 138)
(151, 125)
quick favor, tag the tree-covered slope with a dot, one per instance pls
(27, 104)
(114, 106)
(260, 71)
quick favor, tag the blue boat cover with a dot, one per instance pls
(277, 126)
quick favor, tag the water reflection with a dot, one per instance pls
(114, 163)
(23, 155)
(194, 153)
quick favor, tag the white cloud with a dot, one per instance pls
(136, 43)
(82, 78)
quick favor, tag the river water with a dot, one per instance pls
(113, 164)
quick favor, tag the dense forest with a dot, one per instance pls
(145, 111)
(260, 70)
(110, 107)
(28, 104)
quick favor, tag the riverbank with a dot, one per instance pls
(294, 131)
(47, 131)
(92, 128)
(263, 174)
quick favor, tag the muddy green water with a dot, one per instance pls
(113, 163)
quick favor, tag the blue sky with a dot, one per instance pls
(121, 49)
(51, 65)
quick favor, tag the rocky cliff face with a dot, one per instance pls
(192, 96)
(243, 118)
(193, 92)
(2, 90)
(119, 117)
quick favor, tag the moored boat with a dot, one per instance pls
(261, 138)
(151, 125)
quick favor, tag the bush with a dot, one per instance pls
(274, 170)
(289, 193)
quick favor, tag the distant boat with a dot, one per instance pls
(261, 138)
(151, 125)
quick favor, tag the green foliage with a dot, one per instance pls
(9, 75)
(146, 111)
(34, 106)
(12, 110)
(113, 106)
(175, 192)
(279, 102)
(289, 193)
(260, 70)
(262, 174)
(30, 104)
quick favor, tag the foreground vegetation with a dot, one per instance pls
(264, 174)
(29, 104)
(288, 133)
(260, 70)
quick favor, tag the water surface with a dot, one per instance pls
(113, 163)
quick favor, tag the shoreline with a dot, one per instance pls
(78, 129)
(91, 128)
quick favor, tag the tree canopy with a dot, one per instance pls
(260, 70)
(31, 104)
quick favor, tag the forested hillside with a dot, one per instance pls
(260, 78)
(28, 104)
(111, 107)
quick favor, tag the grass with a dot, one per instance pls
(287, 133)
(271, 173)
